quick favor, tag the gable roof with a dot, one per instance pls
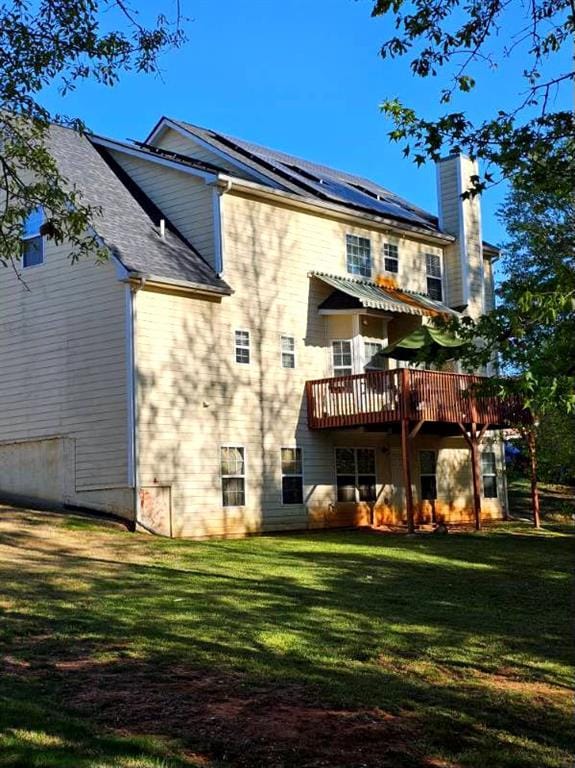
(311, 179)
(129, 221)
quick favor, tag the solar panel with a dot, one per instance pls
(335, 185)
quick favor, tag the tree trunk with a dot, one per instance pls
(531, 443)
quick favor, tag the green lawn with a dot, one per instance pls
(340, 649)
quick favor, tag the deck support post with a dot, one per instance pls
(406, 449)
(476, 480)
(406, 462)
(473, 440)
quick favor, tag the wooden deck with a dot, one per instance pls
(387, 397)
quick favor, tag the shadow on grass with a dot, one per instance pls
(373, 650)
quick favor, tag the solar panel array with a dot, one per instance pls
(320, 180)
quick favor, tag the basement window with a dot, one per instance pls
(292, 476)
(32, 242)
(489, 472)
(358, 255)
(233, 472)
(428, 474)
(434, 281)
(355, 474)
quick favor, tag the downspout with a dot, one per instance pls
(219, 190)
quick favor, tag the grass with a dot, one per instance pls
(123, 651)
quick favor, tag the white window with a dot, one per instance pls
(489, 472)
(390, 258)
(243, 347)
(288, 351)
(434, 282)
(292, 476)
(355, 474)
(370, 350)
(358, 255)
(32, 242)
(341, 356)
(233, 472)
(428, 474)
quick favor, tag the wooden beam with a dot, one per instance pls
(464, 433)
(484, 429)
(474, 444)
(406, 464)
(416, 429)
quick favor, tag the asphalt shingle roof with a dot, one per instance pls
(129, 221)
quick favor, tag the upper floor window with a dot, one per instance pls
(288, 351)
(371, 349)
(390, 258)
(434, 282)
(341, 356)
(358, 255)
(489, 472)
(32, 242)
(243, 347)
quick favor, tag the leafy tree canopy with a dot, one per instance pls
(532, 330)
(60, 43)
(456, 38)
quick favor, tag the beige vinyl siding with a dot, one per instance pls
(489, 285)
(175, 142)
(187, 201)
(474, 242)
(64, 374)
(461, 218)
(193, 397)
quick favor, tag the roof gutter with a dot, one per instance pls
(224, 181)
(183, 285)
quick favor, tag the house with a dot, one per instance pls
(215, 377)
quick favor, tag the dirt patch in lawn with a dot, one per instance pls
(223, 718)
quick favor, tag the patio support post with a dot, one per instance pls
(405, 449)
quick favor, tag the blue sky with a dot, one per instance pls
(303, 76)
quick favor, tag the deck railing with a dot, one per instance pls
(380, 397)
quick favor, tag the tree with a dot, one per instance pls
(455, 38)
(60, 42)
(532, 330)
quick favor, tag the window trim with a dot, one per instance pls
(489, 474)
(427, 474)
(282, 353)
(370, 257)
(242, 346)
(291, 448)
(244, 476)
(429, 276)
(391, 258)
(355, 448)
(35, 236)
(352, 366)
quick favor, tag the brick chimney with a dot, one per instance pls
(461, 218)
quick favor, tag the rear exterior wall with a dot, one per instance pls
(194, 398)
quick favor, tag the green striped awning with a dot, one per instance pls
(370, 295)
